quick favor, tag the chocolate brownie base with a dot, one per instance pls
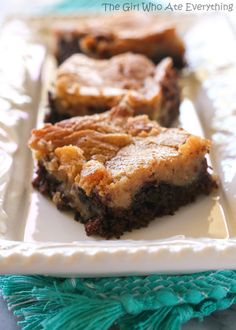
(172, 110)
(69, 46)
(54, 116)
(151, 201)
(66, 48)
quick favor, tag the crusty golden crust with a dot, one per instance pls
(115, 153)
(101, 134)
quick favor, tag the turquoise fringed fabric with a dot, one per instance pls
(141, 303)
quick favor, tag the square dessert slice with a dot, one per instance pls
(84, 86)
(118, 172)
(106, 36)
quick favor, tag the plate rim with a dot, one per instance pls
(35, 257)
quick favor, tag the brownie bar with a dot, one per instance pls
(117, 171)
(106, 36)
(151, 201)
(84, 86)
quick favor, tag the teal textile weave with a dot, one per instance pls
(141, 303)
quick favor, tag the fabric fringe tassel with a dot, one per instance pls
(140, 303)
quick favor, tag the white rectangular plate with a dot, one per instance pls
(36, 238)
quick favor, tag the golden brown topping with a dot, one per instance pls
(115, 153)
(102, 134)
(125, 71)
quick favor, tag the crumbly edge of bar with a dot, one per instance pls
(171, 98)
(151, 201)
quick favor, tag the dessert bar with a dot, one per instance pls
(85, 86)
(106, 36)
(117, 172)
